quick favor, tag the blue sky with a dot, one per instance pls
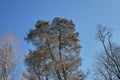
(19, 16)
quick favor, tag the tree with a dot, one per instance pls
(109, 60)
(57, 53)
(8, 56)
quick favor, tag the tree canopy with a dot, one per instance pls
(108, 61)
(57, 53)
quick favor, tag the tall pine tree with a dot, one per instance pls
(57, 53)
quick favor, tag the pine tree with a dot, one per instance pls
(57, 53)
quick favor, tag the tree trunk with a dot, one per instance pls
(60, 54)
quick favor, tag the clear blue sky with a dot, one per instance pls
(18, 16)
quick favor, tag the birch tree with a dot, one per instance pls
(8, 56)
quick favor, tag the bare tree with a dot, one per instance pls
(8, 56)
(57, 54)
(108, 61)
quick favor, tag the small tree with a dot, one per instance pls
(109, 60)
(8, 56)
(57, 54)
